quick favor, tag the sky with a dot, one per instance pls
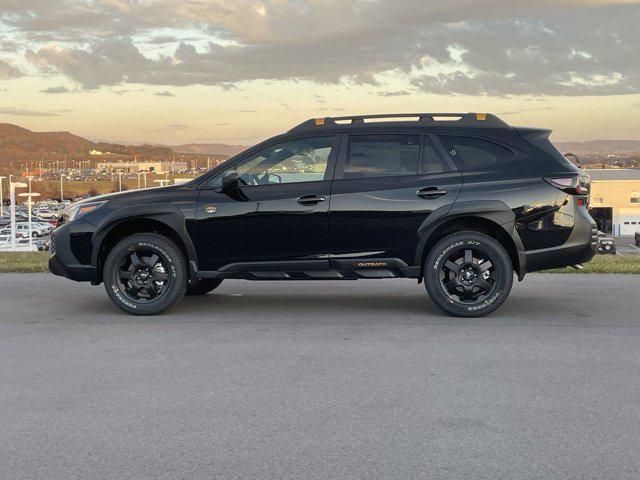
(239, 71)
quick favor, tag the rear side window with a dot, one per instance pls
(381, 156)
(431, 162)
(472, 153)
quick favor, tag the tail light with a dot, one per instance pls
(575, 185)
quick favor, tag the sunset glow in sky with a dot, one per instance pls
(237, 71)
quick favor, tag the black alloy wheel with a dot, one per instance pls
(142, 276)
(468, 274)
(145, 274)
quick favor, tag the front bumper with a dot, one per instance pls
(63, 262)
(581, 246)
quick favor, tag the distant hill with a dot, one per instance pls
(600, 146)
(210, 149)
(20, 145)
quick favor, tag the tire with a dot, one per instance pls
(203, 287)
(145, 274)
(468, 289)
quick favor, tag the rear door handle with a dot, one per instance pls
(310, 199)
(431, 192)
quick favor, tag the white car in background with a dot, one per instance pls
(48, 228)
(36, 230)
(47, 214)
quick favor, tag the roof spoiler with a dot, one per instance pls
(530, 133)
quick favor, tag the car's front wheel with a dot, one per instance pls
(145, 274)
(468, 274)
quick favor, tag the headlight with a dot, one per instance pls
(76, 211)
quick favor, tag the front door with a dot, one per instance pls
(385, 188)
(278, 213)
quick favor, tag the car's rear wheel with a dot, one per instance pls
(145, 274)
(468, 274)
(204, 286)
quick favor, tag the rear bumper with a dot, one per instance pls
(63, 262)
(581, 247)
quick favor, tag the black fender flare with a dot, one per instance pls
(492, 210)
(167, 214)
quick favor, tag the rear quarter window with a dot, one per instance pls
(472, 153)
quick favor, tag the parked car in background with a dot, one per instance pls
(42, 245)
(22, 245)
(606, 244)
(45, 226)
(35, 229)
(459, 201)
(46, 214)
(19, 233)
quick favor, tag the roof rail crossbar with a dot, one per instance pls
(453, 119)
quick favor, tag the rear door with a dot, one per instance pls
(386, 186)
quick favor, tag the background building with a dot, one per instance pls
(135, 167)
(615, 200)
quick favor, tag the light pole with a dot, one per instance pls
(61, 189)
(12, 199)
(29, 196)
(1, 199)
(119, 181)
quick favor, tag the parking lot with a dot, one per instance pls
(626, 246)
(344, 380)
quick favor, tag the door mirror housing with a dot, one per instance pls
(230, 181)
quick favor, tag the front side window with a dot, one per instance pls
(381, 156)
(302, 160)
(472, 153)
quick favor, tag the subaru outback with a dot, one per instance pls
(461, 202)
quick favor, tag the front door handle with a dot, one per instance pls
(431, 192)
(310, 199)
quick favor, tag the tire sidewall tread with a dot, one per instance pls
(438, 254)
(177, 268)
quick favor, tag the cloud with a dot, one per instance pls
(7, 71)
(25, 112)
(396, 93)
(60, 89)
(173, 127)
(164, 93)
(564, 47)
(525, 110)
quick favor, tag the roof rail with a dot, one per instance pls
(453, 119)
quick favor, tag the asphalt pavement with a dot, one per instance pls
(321, 380)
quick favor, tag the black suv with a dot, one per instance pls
(460, 201)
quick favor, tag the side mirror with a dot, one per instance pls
(230, 181)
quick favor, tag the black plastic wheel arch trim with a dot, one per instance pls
(167, 214)
(495, 211)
